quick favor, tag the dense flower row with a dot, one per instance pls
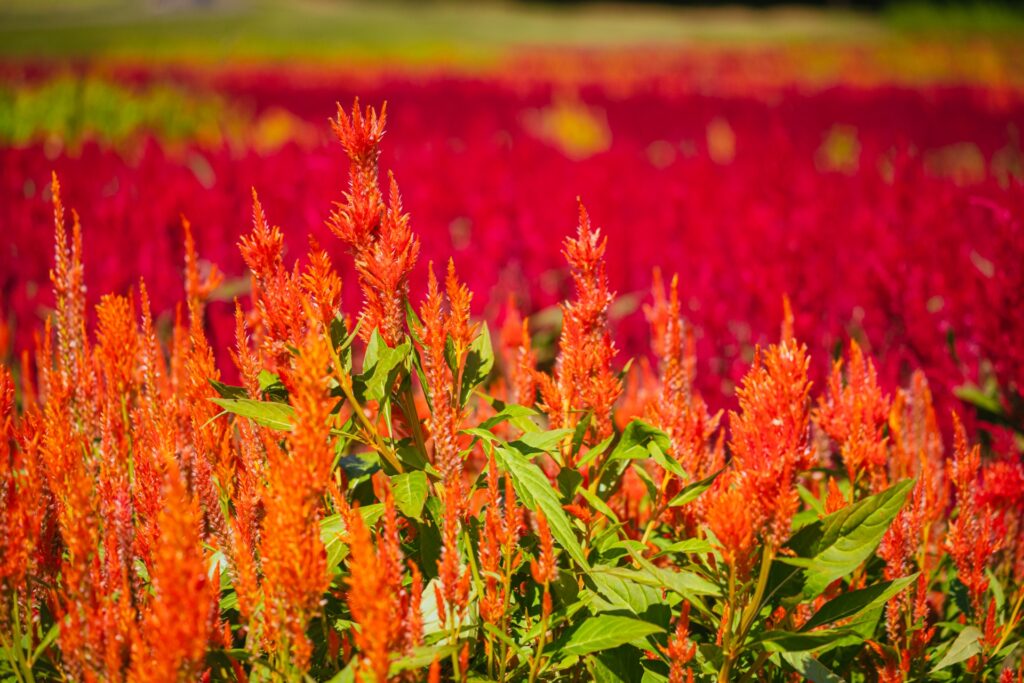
(387, 495)
(924, 233)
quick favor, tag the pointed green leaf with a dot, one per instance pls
(853, 603)
(966, 645)
(534, 490)
(604, 632)
(267, 413)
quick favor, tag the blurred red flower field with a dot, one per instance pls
(890, 214)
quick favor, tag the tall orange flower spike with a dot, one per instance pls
(369, 598)
(680, 649)
(442, 382)
(294, 559)
(378, 235)
(770, 436)
(177, 620)
(68, 278)
(974, 535)
(677, 409)
(520, 360)
(584, 378)
(854, 414)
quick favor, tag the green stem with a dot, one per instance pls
(734, 642)
(371, 429)
(1008, 629)
(535, 664)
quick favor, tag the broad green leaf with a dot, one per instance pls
(691, 492)
(621, 591)
(380, 366)
(604, 632)
(966, 645)
(410, 491)
(810, 668)
(479, 362)
(847, 605)
(788, 641)
(534, 490)
(267, 413)
(634, 440)
(621, 665)
(834, 546)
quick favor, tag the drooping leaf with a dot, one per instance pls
(810, 668)
(547, 442)
(535, 491)
(267, 413)
(228, 390)
(789, 641)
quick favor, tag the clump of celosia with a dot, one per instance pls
(380, 499)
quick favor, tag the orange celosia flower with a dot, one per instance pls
(177, 619)
(676, 408)
(854, 414)
(294, 559)
(378, 235)
(442, 383)
(520, 360)
(680, 649)
(584, 378)
(770, 436)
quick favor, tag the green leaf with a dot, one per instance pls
(517, 415)
(604, 632)
(595, 502)
(810, 668)
(421, 658)
(410, 491)
(622, 591)
(634, 440)
(380, 367)
(267, 413)
(834, 546)
(621, 665)
(966, 645)
(534, 490)
(692, 491)
(228, 390)
(788, 641)
(853, 603)
(332, 528)
(548, 442)
(479, 362)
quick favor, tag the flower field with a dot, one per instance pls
(615, 375)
